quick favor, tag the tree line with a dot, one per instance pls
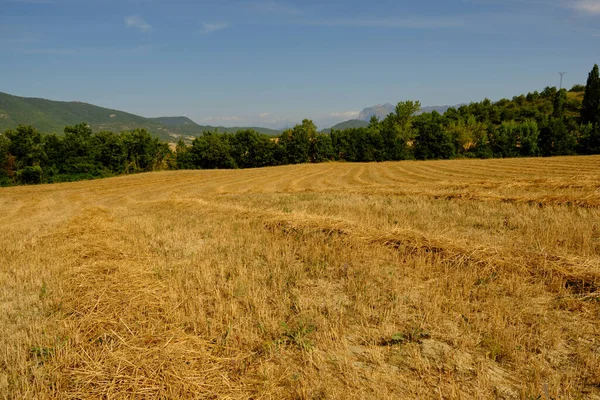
(548, 123)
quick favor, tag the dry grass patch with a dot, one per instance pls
(311, 281)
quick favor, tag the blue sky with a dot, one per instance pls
(272, 63)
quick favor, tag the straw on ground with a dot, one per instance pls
(449, 279)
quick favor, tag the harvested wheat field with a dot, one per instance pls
(463, 279)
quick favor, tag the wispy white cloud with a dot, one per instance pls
(210, 28)
(590, 7)
(135, 21)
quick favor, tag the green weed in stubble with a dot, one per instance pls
(298, 335)
(415, 335)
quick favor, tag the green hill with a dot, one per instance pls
(49, 116)
(353, 123)
(186, 126)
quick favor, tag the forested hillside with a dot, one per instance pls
(49, 116)
(353, 123)
(548, 123)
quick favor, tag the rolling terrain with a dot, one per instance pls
(463, 279)
(49, 116)
(353, 123)
(383, 110)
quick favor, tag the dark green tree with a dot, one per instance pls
(143, 151)
(590, 114)
(297, 142)
(251, 149)
(466, 133)
(397, 131)
(320, 148)
(577, 88)
(6, 173)
(560, 100)
(78, 151)
(109, 151)
(183, 156)
(527, 138)
(374, 142)
(482, 147)
(26, 145)
(31, 174)
(555, 138)
(503, 139)
(432, 141)
(53, 146)
(590, 107)
(211, 151)
(341, 141)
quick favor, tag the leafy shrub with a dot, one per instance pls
(30, 174)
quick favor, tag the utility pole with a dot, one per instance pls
(561, 78)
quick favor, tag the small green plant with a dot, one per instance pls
(298, 335)
(44, 353)
(414, 335)
(495, 350)
(398, 338)
(486, 280)
(43, 291)
(41, 353)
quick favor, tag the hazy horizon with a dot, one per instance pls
(272, 63)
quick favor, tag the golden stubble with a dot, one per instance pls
(448, 279)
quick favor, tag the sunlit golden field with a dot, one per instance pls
(464, 279)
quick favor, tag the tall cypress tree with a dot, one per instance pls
(559, 104)
(590, 114)
(590, 110)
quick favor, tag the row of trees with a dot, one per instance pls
(553, 122)
(26, 156)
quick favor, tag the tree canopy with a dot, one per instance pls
(548, 123)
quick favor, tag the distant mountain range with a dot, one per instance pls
(380, 111)
(383, 110)
(50, 116)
